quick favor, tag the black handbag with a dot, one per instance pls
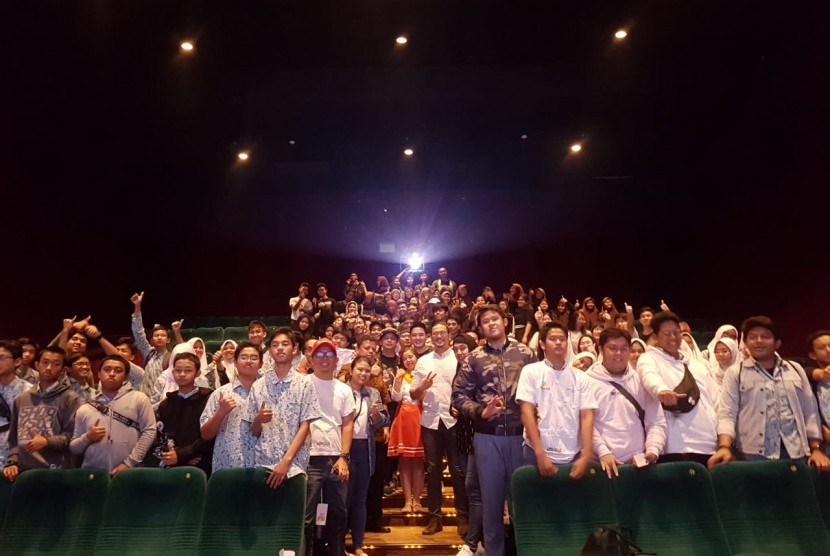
(610, 540)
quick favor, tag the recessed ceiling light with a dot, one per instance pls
(243, 155)
(408, 152)
(524, 136)
(401, 40)
(292, 142)
(621, 34)
(576, 147)
(187, 46)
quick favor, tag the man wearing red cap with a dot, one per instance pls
(331, 442)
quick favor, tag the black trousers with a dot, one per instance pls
(438, 443)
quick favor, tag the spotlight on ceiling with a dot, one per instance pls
(408, 152)
(621, 34)
(576, 147)
(187, 46)
(402, 40)
(243, 155)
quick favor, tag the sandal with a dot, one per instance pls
(407, 508)
(417, 507)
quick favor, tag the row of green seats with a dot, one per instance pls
(150, 511)
(771, 508)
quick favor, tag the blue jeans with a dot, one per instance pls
(358, 488)
(497, 457)
(321, 479)
(475, 534)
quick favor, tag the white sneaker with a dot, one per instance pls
(465, 551)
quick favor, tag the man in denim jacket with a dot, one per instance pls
(767, 407)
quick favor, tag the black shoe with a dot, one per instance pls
(433, 527)
(378, 529)
(463, 528)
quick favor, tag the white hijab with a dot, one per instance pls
(203, 359)
(692, 351)
(710, 349)
(714, 367)
(230, 366)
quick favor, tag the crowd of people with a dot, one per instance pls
(380, 386)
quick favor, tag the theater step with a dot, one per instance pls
(396, 501)
(407, 539)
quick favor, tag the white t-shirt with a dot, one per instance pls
(558, 396)
(336, 402)
(361, 418)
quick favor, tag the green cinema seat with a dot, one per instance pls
(187, 333)
(770, 508)
(236, 333)
(212, 347)
(822, 486)
(553, 516)
(5, 496)
(244, 516)
(670, 509)
(153, 511)
(54, 512)
(210, 334)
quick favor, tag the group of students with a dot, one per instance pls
(488, 386)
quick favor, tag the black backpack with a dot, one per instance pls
(610, 540)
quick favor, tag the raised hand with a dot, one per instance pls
(82, 324)
(495, 407)
(226, 405)
(92, 332)
(177, 324)
(264, 415)
(663, 306)
(69, 323)
(137, 298)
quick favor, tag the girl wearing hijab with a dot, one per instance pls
(724, 330)
(725, 354)
(223, 369)
(166, 383)
(638, 347)
(583, 360)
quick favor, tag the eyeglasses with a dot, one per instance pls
(246, 357)
(326, 354)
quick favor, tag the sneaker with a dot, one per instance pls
(465, 551)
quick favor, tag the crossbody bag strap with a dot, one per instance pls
(641, 413)
(123, 419)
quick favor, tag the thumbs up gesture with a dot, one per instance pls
(265, 414)
(226, 405)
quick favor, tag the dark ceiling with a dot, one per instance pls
(702, 175)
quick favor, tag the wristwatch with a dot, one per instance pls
(346, 457)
